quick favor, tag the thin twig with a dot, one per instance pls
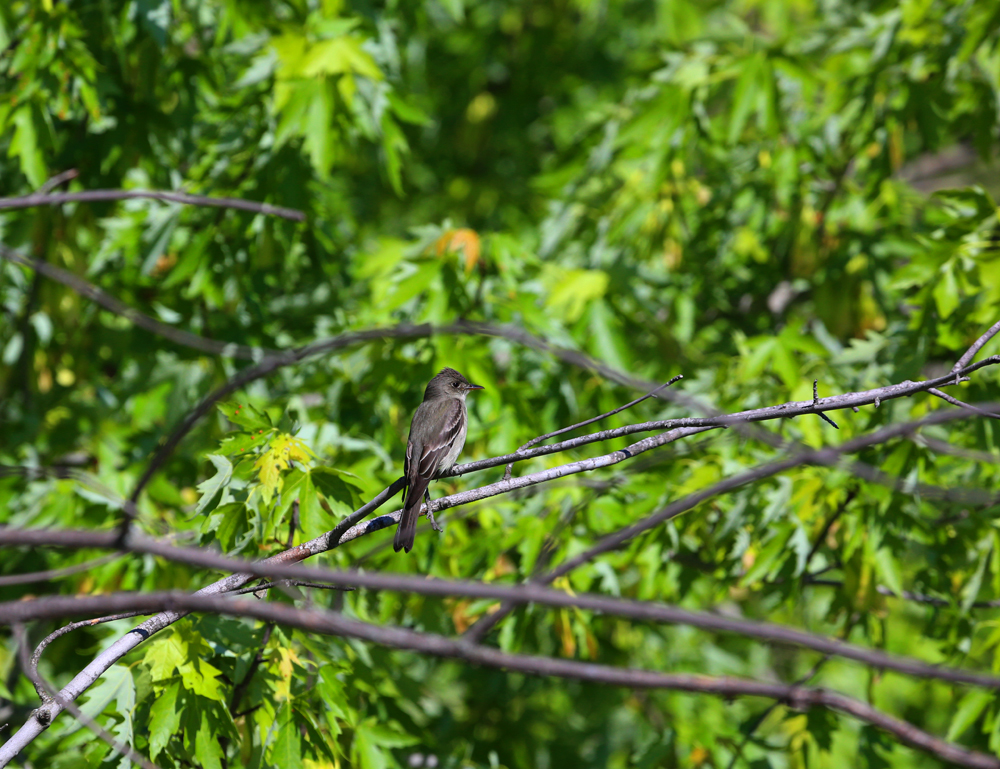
(41, 198)
(56, 180)
(36, 656)
(908, 595)
(943, 447)
(540, 438)
(289, 583)
(825, 417)
(962, 404)
(50, 574)
(964, 361)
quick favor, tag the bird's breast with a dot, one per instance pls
(456, 448)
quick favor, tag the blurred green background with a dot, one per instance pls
(754, 194)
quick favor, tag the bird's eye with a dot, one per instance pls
(454, 384)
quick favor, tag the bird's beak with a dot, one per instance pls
(474, 387)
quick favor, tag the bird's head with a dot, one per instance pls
(449, 384)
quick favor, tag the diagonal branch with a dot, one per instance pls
(794, 696)
(143, 321)
(43, 686)
(978, 345)
(56, 607)
(615, 540)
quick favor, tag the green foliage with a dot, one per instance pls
(730, 191)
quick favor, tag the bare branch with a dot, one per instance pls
(43, 686)
(289, 583)
(698, 424)
(43, 198)
(44, 643)
(797, 697)
(61, 606)
(978, 345)
(816, 403)
(143, 321)
(273, 360)
(613, 541)
(540, 438)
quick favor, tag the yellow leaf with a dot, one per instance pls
(565, 630)
(284, 449)
(286, 669)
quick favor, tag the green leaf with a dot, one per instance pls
(366, 750)
(388, 736)
(287, 748)
(229, 524)
(969, 709)
(207, 749)
(238, 444)
(24, 146)
(246, 415)
(571, 290)
(771, 554)
(887, 568)
(946, 292)
(312, 516)
(340, 55)
(164, 719)
(406, 112)
(164, 656)
(744, 96)
(821, 725)
(970, 592)
(201, 678)
(606, 338)
(213, 487)
(410, 282)
(337, 486)
(394, 147)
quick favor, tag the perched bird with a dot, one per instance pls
(437, 435)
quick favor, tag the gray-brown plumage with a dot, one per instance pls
(437, 435)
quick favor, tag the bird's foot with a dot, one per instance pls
(434, 524)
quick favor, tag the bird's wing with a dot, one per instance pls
(424, 460)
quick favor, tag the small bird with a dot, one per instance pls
(437, 436)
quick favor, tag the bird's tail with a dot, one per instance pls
(407, 529)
